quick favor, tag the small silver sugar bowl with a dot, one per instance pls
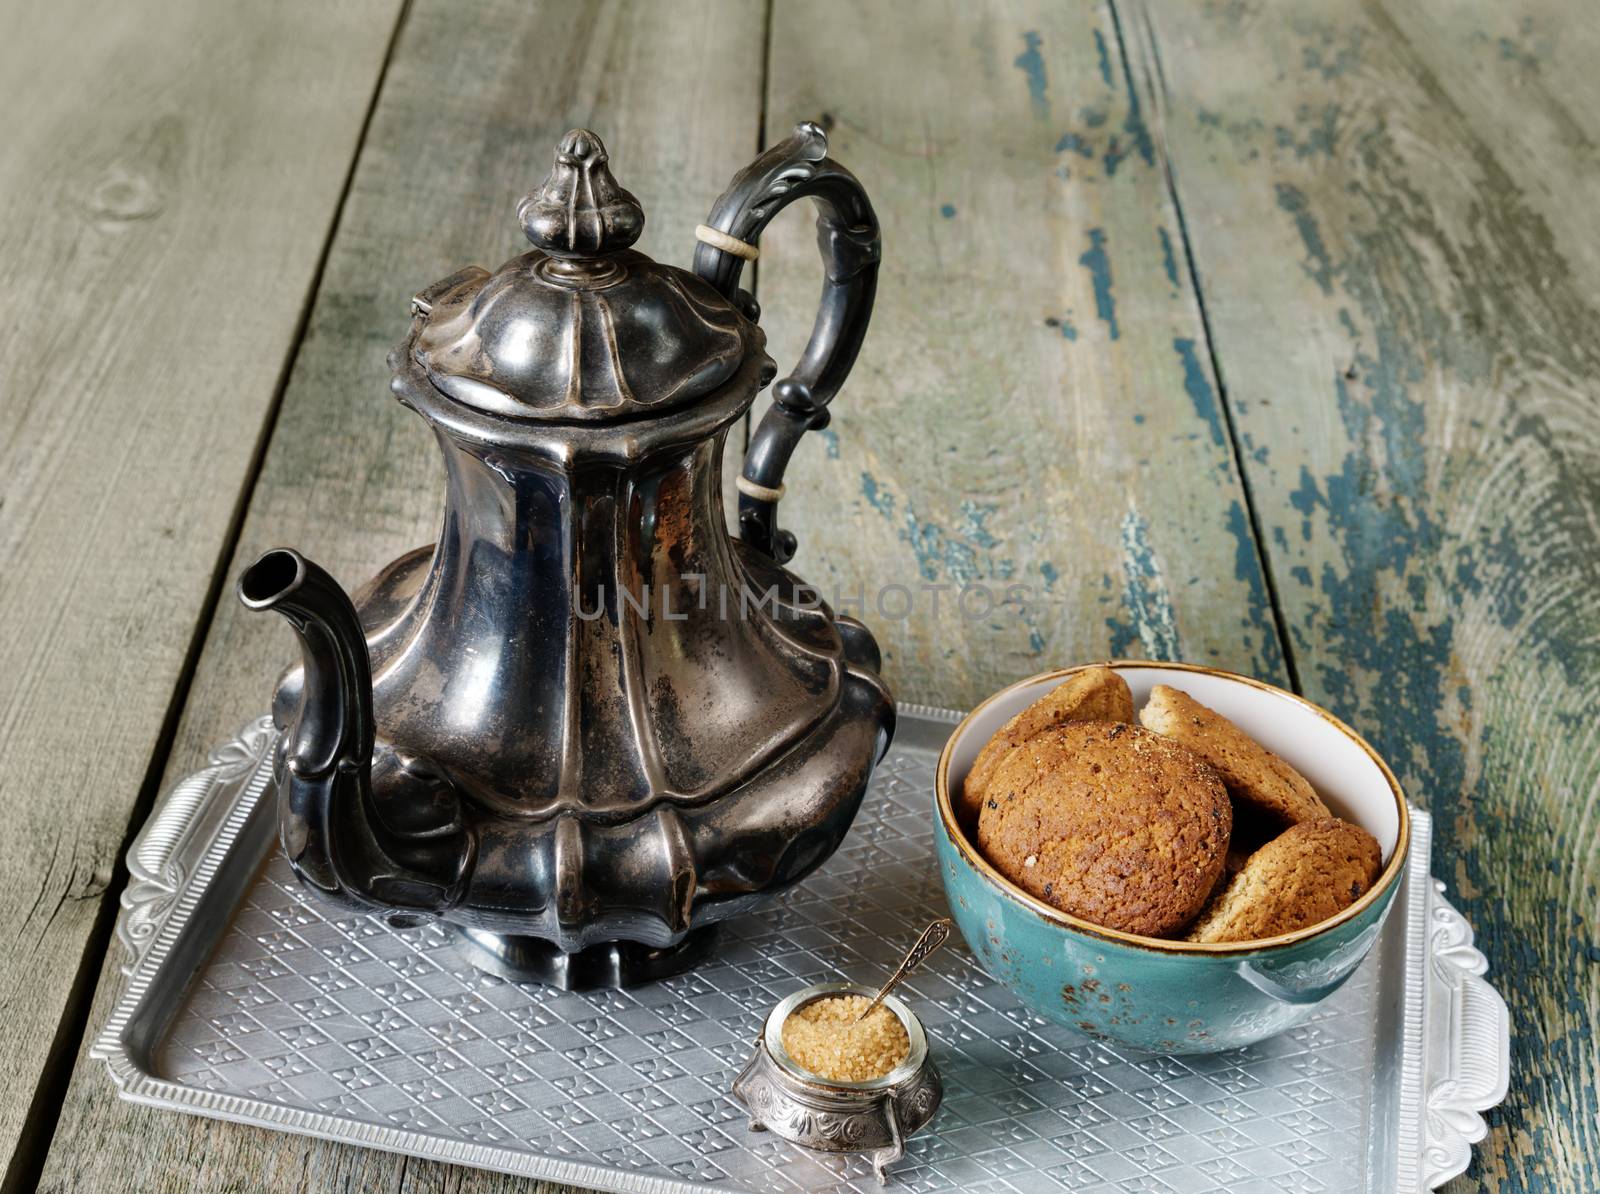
(875, 1116)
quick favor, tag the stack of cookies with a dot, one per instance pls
(1176, 824)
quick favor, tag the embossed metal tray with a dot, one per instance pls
(248, 1001)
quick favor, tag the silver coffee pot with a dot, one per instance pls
(587, 724)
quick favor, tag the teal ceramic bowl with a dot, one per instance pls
(1161, 996)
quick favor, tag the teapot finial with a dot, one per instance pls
(580, 210)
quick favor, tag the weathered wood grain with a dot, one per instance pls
(1395, 215)
(475, 99)
(170, 175)
(1034, 405)
(1383, 204)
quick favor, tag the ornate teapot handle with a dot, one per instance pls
(847, 237)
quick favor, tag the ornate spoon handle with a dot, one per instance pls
(932, 938)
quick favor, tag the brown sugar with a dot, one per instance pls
(823, 1038)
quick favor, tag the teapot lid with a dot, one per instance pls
(582, 327)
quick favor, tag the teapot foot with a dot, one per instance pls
(607, 965)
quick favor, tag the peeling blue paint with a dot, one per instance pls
(1198, 386)
(948, 211)
(1305, 498)
(1031, 63)
(1134, 127)
(1317, 266)
(1257, 622)
(830, 440)
(974, 516)
(1376, 638)
(1075, 143)
(1103, 54)
(1168, 261)
(1321, 136)
(1134, 137)
(1386, 658)
(1510, 573)
(1389, 415)
(1099, 267)
(1513, 50)
(878, 499)
(1063, 322)
(1331, 61)
(1150, 625)
(1048, 571)
(960, 556)
(931, 550)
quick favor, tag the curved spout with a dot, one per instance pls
(335, 719)
(330, 830)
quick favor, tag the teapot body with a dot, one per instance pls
(586, 724)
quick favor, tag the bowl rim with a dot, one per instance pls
(981, 865)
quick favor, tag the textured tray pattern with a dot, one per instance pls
(317, 1021)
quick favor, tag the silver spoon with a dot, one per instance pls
(932, 938)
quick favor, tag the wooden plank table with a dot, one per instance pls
(1258, 335)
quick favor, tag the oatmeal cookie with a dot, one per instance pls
(1256, 777)
(1094, 694)
(1308, 873)
(1110, 822)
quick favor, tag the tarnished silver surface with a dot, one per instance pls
(310, 1020)
(873, 1117)
(586, 726)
